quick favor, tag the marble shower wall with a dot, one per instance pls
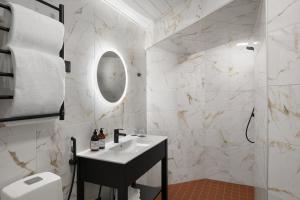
(283, 99)
(91, 28)
(202, 103)
(234, 21)
(260, 99)
(182, 16)
(228, 84)
(261, 106)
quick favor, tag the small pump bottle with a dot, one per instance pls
(101, 137)
(94, 144)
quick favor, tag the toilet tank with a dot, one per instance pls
(43, 186)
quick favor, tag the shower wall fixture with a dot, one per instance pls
(61, 113)
(246, 133)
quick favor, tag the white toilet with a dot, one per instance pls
(43, 186)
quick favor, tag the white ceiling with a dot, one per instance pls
(153, 9)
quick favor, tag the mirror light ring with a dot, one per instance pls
(98, 91)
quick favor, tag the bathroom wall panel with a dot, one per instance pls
(182, 16)
(91, 27)
(283, 171)
(18, 159)
(204, 111)
(229, 91)
(283, 80)
(233, 21)
(284, 53)
(128, 39)
(261, 106)
(284, 143)
(284, 109)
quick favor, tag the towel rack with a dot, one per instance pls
(61, 113)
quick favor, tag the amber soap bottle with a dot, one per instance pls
(101, 137)
(94, 144)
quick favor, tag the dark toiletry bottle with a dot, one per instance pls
(94, 145)
(101, 137)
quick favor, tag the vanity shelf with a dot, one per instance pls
(148, 192)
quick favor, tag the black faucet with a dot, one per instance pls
(117, 134)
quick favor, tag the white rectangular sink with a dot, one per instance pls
(128, 148)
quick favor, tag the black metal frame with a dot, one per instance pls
(61, 113)
(121, 176)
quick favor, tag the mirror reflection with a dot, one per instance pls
(111, 76)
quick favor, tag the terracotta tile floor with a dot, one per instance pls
(209, 190)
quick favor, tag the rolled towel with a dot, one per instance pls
(133, 194)
(39, 83)
(30, 29)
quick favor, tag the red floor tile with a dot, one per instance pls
(209, 190)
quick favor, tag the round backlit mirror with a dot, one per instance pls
(112, 77)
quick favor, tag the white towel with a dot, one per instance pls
(39, 73)
(133, 194)
(30, 29)
(39, 81)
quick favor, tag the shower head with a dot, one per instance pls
(250, 48)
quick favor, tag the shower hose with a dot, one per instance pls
(246, 133)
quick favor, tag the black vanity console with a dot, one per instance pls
(121, 176)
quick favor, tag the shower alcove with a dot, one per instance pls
(202, 84)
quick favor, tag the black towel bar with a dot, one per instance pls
(5, 51)
(5, 6)
(6, 97)
(4, 28)
(30, 117)
(41, 1)
(49, 5)
(6, 74)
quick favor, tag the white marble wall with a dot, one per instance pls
(229, 99)
(261, 107)
(283, 99)
(91, 28)
(182, 16)
(202, 103)
(232, 22)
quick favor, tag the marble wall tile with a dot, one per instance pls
(282, 14)
(217, 164)
(163, 120)
(128, 39)
(181, 17)
(284, 54)
(241, 164)
(18, 153)
(232, 22)
(284, 114)
(91, 27)
(283, 185)
(260, 168)
(211, 95)
(260, 71)
(230, 164)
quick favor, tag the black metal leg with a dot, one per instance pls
(123, 193)
(80, 184)
(164, 176)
